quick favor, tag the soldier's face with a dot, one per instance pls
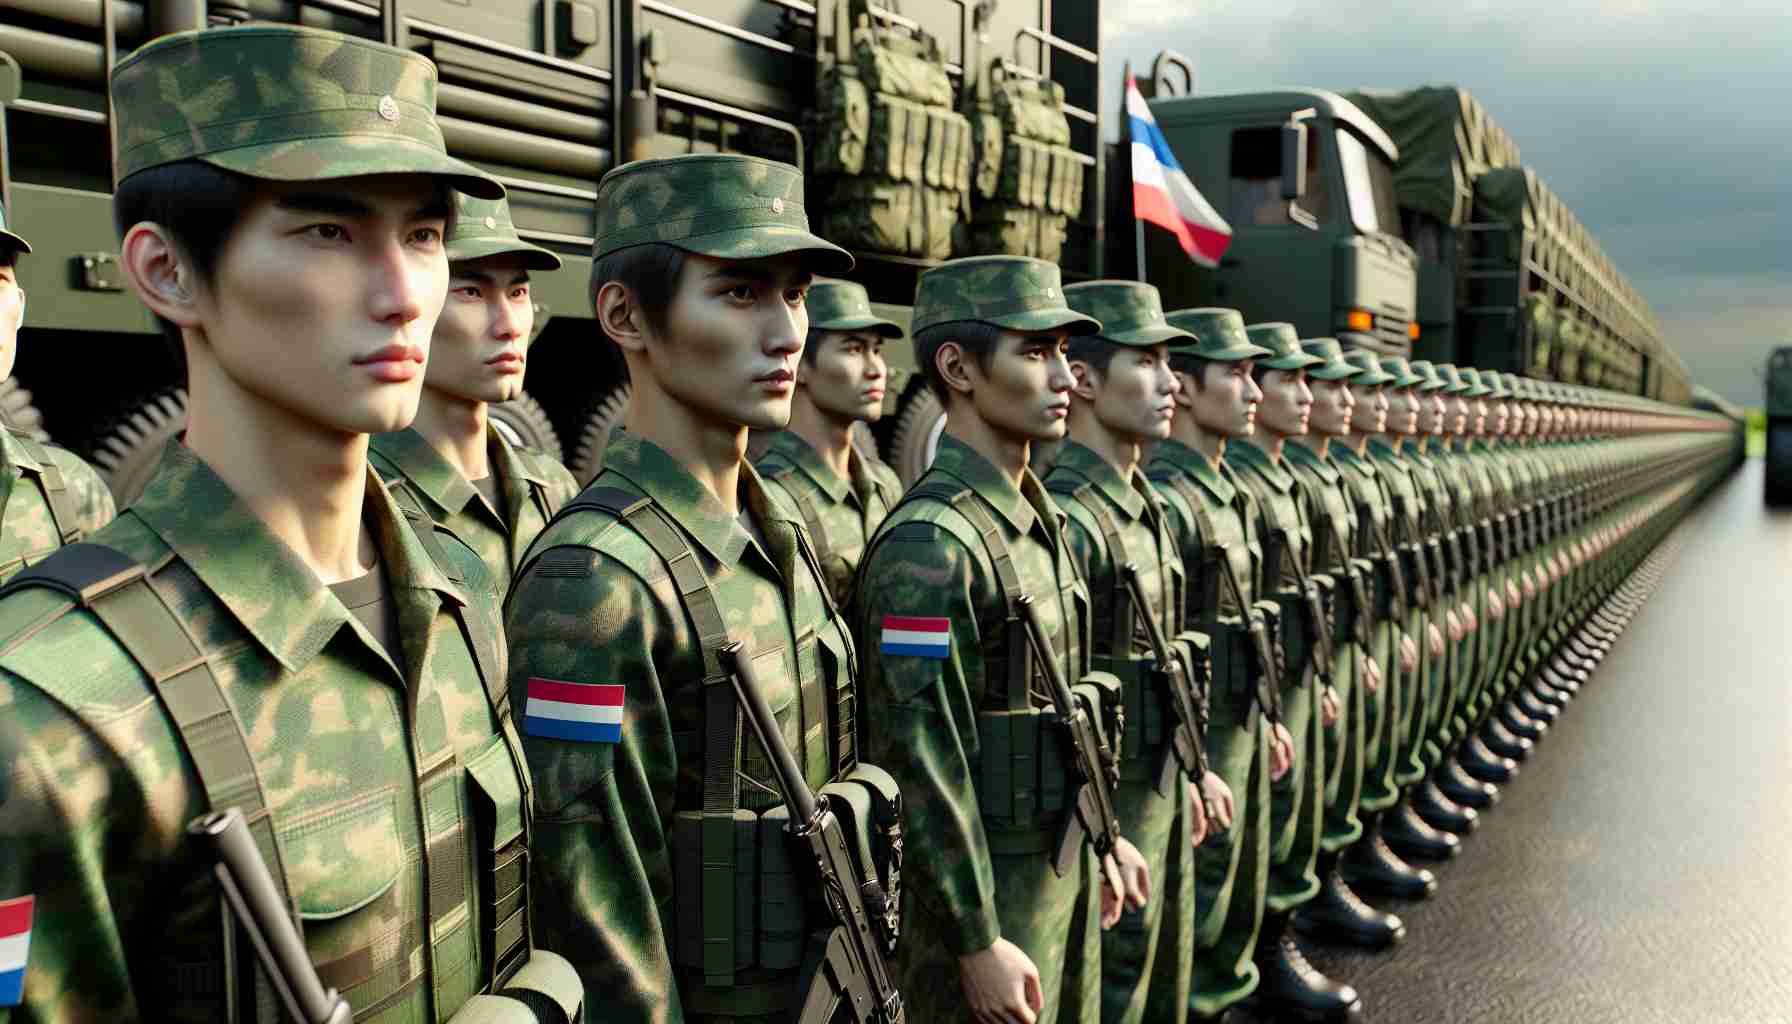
(1370, 413)
(1025, 395)
(480, 343)
(1287, 402)
(325, 298)
(1333, 405)
(846, 375)
(1226, 403)
(1459, 413)
(1135, 397)
(1403, 412)
(1477, 423)
(12, 313)
(734, 332)
(1432, 412)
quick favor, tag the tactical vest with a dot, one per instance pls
(895, 157)
(740, 900)
(1024, 770)
(1027, 183)
(1375, 542)
(1333, 521)
(47, 479)
(815, 522)
(1284, 545)
(117, 591)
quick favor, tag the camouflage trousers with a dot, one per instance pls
(1381, 720)
(1055, 921)
(1344, 745)
(1232, 867)
(1147, 956)
(1297, 802)
(1417, 700)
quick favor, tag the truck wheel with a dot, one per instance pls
(524, 422)
(588, 454)
(1778, 468)
(18, 414)
(917, 436)
(131, 447)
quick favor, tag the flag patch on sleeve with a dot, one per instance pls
(582, 712)
(15, 943)
(922, 638)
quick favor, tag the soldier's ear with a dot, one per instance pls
(158, 273)
(1085, 380)
(954, 366)
(620, 317)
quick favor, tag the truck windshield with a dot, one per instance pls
(1369, 183)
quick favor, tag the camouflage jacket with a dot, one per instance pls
(1282, 520)
(389, 783)
(28, 529)
(841, 515)
(1185, 477)
(1328, 506)
(534, 487)
(921, 721)
(595, 604)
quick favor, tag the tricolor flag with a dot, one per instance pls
(583, 712)
(1162, 193)
(15, 943)
(923, 638)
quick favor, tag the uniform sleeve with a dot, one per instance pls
(57, 820)
(94, 507)
(601, 873)
(922, 722)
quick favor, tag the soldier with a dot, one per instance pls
(1124, 399)
(954, 693)
(841, 494)
(265, 629)
(1291, 986)
(65, 500)
(651, 794)
(1336, 911)
(452, 462)
(1246, 744)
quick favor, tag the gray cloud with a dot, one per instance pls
(1665, 126)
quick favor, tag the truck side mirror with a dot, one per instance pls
(1294, 160)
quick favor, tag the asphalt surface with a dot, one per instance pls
(1639, 868)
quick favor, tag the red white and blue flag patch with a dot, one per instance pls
(582, 712)
(15, 943)
(920, 637)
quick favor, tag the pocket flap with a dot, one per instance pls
(342, 859)
(494, 778)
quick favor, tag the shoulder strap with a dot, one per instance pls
(806, 507)
(49, 481)
(538, 491)
(1120, 625)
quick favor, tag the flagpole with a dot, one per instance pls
(1138, 226)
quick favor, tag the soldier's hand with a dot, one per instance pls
(1370, 670)
(1197, 813)
(1219, 797)
(1330, 707)
(1001, 984)
(1454, 625)
(1409, 653)
(1113, 892)
(1437, 640)
(1135, 875)
(1530, 585)
(1514, 597)
(1496, 609)
(1470, 622)
(1281, 752)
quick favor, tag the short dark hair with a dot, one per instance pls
(977, 337)
(1094, 350)
(650, 273)
(1193, 365)
(812, 344)
(198, 205)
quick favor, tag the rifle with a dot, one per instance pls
(249, 889)
(1269, 676)
(1185, 748)
(1092, 812)
(1321, 656)
(853, 972)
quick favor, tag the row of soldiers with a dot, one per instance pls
(705, 741)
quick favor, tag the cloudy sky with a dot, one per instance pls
(1666, 126)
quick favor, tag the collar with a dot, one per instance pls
(429, 473)
(271, 593)
(1307, 457)
(1347, 456)
(658, 475)
(1192, 462)
(1244, 452)
(1021, 506)
(789, 446)
(1079, 460)
(517, 477)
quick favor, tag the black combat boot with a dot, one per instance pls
(1413, 838)
(1504, 741)
(1534, 709)
(1549, 677)
(1339, 915)
(1291, 989)
(1441, 812)
(1463, 788)
(1544, 692)
(1483, 763)
(1369, 866)
(1520, 724)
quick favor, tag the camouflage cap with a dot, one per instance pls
(7, 238)
(846, 306)
(1402, 372)
(723, 205)
(1219, 335)
(283, 103)
(1477, 387)
(482, 227)
(1429, 378)
(1495, 383)
(1016, 293)
(1452, 377)
(1283, 343)
(1131, 312)
(1331, 359)
(1370, 366)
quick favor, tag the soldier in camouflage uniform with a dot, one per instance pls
(841, 493)
(955, 704)
(1336, 912)
(48, 496)
(1521, 591)
(649, 818)
(1247, 747)
(1124, 399)
(1310, 704)
(452, 461)
(265, 629)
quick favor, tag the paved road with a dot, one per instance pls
(1639, 869)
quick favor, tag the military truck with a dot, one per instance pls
(1778, 471)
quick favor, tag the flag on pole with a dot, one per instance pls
(1162, 193)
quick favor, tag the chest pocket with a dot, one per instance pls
(501, 850)
(837, 665)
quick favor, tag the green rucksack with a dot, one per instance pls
(1027, 182)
